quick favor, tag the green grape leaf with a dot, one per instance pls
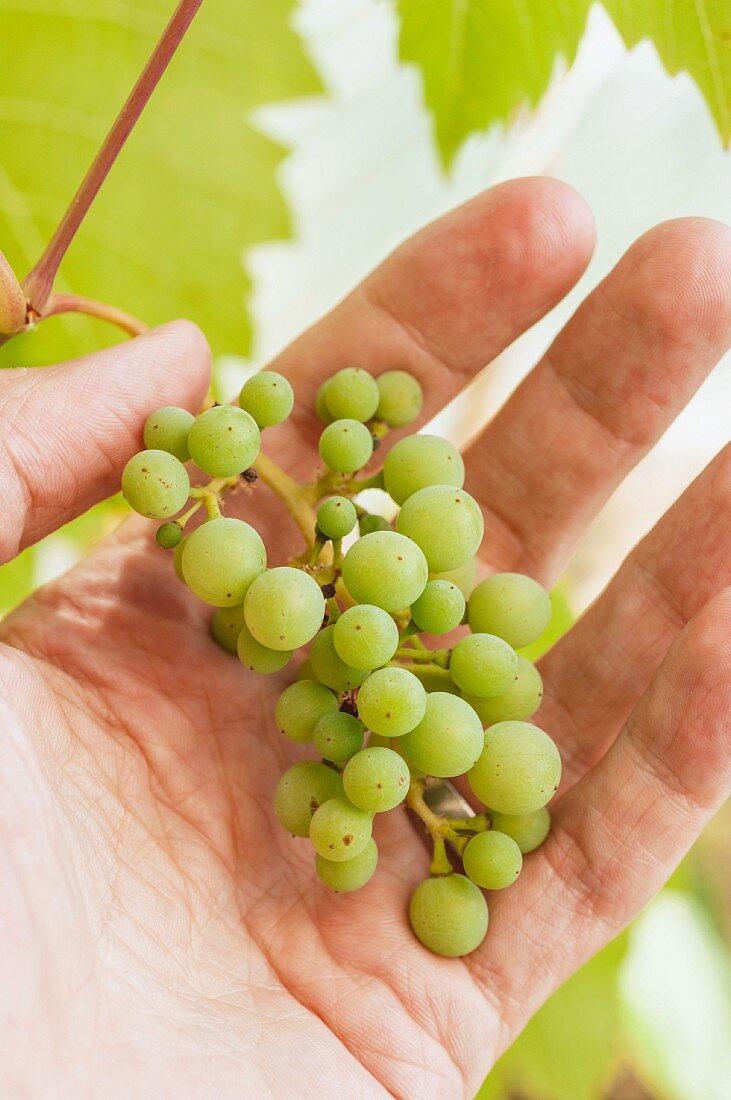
(482, 59)
(195, 185)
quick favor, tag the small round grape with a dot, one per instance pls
(168, 535)
(336, 517)
(268, 397)
(448, 914)
(352, 394)
(400, 398)
(346, 446)
(167, 430)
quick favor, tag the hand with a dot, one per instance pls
(162, 935)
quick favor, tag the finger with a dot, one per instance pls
(620, 832)
(445, 303)
(594, 676)
(68, 430)
(614, 379)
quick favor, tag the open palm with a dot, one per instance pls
(162, 936)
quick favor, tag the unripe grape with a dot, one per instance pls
(376, 779)
(511, 605)
(519, 768)
(346, 446)
(483, 665)
(445, 522)
(257, 657)
(369, 523)
(492, 860)
(155, 484)
(221, 559)
(463, 576)
(419, 461)
(449, 738)
(268, 397)
(448, 914)
(303, 789)
(336, 517)
(301, 706)
(517, 703)
(339, 830)
(385, 569)
(329, 667)
(338, 736)
(178, 558)
(392, 701)
(12, 301)
(352, 394)
(353, 873)
(168, 535)
(284, 608)
(440, 608)
(167, 430)
(399, 398)
(224, 441)
(527, 830)
(225, 626)
(365, 636)
(320, 404)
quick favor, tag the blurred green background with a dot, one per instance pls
(289, 147)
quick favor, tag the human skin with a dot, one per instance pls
(161, 934)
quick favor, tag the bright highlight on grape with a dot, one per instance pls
(411, 672)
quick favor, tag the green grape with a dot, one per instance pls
(167, 430)
(221, 559)
(463, 576)
(178, 557)
(449, 738)
(320, 404)
(336, 517)
(353, 873)
(168, 535)
(155, 484)
(518, 703)
(301, 706)
(440, 607)
(224, 441)
(376, 779)
(527, 830)
(492, 860)
(329, 667)
(399, 398)
(226, 625)
(448, 914)
(346, 446)
(337, 736)
(392, 701)
(438, 679)
(419, 461)
(339, 830)
(483, 665)
(303, 789)
(519, 768)
(257, 657)
(445, 522)
(511, 605)
(369, 523)
(284, 608)
(385, 569)
(268, 397)
(352, 394)
(365, 636)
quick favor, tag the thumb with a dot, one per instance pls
(67, 431)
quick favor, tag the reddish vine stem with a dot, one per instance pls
(39, 282)
(77, 303)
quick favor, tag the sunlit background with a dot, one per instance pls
(321, 158)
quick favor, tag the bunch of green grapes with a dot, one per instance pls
(388, 712)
